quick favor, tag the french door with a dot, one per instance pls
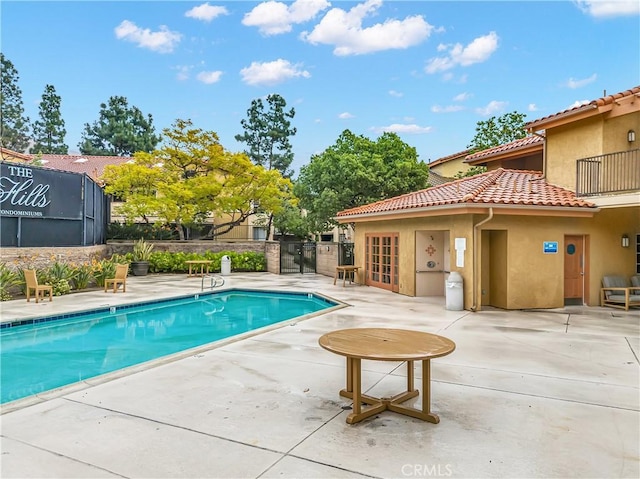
(381, 260)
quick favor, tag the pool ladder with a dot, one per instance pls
(215, 281)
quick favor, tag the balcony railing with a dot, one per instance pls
(611, 173)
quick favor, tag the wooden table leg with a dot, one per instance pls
(335, 278)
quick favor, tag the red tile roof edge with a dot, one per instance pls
(514, 145)
(605, 100)
(496, 187)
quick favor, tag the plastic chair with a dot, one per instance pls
(32, 284)
(120, 279)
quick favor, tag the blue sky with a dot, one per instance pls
(427, 70)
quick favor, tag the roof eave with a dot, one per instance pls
(474, 208)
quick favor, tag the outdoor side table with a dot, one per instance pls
(193, 266)
(385, 344)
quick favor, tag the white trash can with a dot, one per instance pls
(454, 292)
(225, 266)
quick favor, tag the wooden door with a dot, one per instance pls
(381, 261)
(574, 268)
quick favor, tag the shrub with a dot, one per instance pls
(102, 270)
(142, 250)
(8, 278)
(82, 276)
(59, 276)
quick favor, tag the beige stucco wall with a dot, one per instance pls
(450, 168)
(513, 272)
(584, 139)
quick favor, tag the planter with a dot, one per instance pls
(139, 268)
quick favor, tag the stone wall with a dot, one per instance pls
(42, 257)
(272, 253)
(326, 258)
(19, 258)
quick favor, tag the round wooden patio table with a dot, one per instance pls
(386, 344)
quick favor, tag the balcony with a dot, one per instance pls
(613, 173)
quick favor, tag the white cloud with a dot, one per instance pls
(344, 30)
(578, 103)
(397, 94)
(492, 108)
(478, 51)
(271, 73)
(410, 129)
(573, 83)
(609, 9)
(274, 18)
(462, 96)
(209, 77)
(345, 116)
(532, 107)
(183, 72)
(446, 109)
(162, 41)
(206, 12)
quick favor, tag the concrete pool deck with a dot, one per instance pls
(553, 393)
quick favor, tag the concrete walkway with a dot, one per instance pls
(552, 393)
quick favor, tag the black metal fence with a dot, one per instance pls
(610, 173)
(296, 257)
(40, 207)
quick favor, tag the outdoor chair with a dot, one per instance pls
(120, 278)
(31, 280)
(617, 292)
(635, 283)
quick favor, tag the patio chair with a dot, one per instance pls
(32, 284)
(120, 278)
(617, 292)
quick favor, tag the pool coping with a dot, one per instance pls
(44, 396)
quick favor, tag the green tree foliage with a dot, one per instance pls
(191, 177)
(473, 171)
(292, 220)
(498, 131)
(121, 130)
(267, 133)
(14, 126)
(48, 130)
(357, 171)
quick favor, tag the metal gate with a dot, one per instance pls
(297, 257)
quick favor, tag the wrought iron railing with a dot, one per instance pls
(611, 173)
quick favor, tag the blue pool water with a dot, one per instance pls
(56, 352)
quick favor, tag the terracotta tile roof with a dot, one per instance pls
(91, 165)
(445, 159)
(593, 105)
(528, 143)
(437, 179)
(496, 187)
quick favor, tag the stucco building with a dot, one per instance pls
(539, 229)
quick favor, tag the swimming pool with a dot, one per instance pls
(46, 353)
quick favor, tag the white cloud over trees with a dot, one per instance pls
(272, 73)
(345, 30)
(161, 41)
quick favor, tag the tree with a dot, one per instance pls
(120, 131)
(267, 133)
(192, 177)
(498, 131)
(291, 220)
(14, 126)
(49, 131)
(357, 171)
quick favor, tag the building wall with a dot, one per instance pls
(513, 271)
(567, 144)
(450, 168)
(583, 139)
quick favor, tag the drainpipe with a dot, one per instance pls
(474, 287)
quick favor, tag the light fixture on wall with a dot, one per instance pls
(625, 241)
(631, 136)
